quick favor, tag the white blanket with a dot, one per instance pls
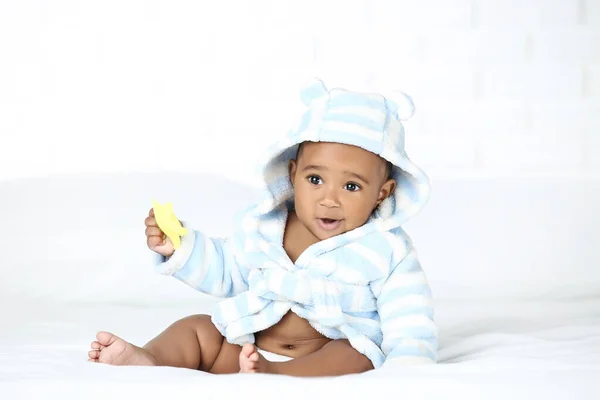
(489, 350)
(524, 325)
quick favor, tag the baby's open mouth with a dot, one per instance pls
(329, 223)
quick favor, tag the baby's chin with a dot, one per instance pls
(322, 236)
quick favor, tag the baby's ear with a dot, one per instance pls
(314, 89)
(292, 165)
(387, 189)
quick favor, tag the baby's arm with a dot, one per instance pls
(206, 264)
(406, 312)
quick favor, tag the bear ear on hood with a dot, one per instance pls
(400, 105)
(314, 89)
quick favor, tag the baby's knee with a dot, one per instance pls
(195, 319)
(194, 323)
(357, 362)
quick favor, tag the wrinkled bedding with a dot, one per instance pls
(488, 350)
(518, 324)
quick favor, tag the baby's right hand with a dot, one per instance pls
(156, 239)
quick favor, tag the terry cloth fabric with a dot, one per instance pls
(365, 285)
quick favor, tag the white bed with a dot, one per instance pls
(518, 321)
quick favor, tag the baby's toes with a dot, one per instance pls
(106, 338)
(253, 363)
(247, 350)
(250, 366)
(97, 346)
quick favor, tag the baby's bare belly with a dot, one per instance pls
(292, 337)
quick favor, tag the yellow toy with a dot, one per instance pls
(168, 222)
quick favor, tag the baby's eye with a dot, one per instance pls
(315, 180)
(353, 187)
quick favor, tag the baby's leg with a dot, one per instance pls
(335, 358)
(192, 342)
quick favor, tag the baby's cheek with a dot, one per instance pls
(360, 218)
(353, 222)
(301, 211)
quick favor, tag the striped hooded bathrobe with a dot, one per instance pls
(365, 285)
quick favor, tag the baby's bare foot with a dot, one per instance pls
(111, 349)
(251, 361)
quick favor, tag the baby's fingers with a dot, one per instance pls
(150, 221)
(161, 245)
(154, 231)
(156, 241)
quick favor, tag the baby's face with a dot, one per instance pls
(337, 187)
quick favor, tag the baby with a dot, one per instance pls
(319, 277)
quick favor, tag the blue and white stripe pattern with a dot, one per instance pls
(365, 285)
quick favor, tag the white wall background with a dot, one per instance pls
(502, 87)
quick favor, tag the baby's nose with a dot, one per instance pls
(330, 199)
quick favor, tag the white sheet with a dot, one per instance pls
(515, 324)
(489, 350)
